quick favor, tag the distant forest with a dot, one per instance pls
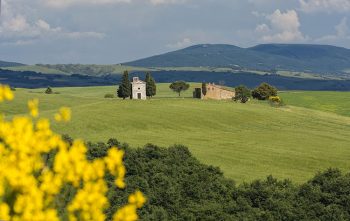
(29, 79)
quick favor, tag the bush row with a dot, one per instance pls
(179, 187)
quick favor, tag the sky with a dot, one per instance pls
(116, 31)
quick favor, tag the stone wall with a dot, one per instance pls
(217, 93)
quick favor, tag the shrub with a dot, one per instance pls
(42, 177)
(109, 96)
(276, 101)
(48, 90)
(264, 91)
(242, 94)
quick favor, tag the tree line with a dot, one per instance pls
(179, 187)
(264, 91)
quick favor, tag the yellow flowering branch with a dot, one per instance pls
(28, 187)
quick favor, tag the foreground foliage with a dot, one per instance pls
(179, 187)
(310, 134)
(37, 167)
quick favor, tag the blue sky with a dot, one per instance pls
(115, 31)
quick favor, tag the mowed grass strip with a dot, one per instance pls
(247, 141)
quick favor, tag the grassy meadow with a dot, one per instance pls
(247, 141)
(328, 101)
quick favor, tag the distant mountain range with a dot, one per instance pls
(287, 66)
(290, 57)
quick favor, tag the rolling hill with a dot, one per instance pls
(9, 64)
(292, 57)
(30, 79)
(247, 141)
(287, 66)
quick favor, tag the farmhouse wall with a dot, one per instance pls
(214, 92)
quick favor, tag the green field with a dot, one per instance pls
(247, 141)
(335, 102)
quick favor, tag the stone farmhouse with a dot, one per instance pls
(138, 89)
(215, 92)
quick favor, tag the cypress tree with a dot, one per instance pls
(151, 88)
(124, 90)
(204, 88)
(154, 86)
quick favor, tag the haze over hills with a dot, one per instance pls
(328, 61)
(291, 57)
(287, 66)
(9, 64)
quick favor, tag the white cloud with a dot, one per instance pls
(342, 28)
(163, 2)
(43, 25)
(181, 44)
(16, 29)
(283, 27)
(342, 33)
(67, 3)
(262, 28)
(19, 27)
(78, 35)
(325, 5)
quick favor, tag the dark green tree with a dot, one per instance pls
(179, 86)
(151, 88)
(179, 187)
(264, 91)
(204, 88)
(154, 87)
(124, 90)
(242, 94)
(48, 90)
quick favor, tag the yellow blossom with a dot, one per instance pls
(64, 115)
(5, 93)
(137, 199)
(4, 211)
(127, 213)
(33, 107)
(34, 186)
(275, 99)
